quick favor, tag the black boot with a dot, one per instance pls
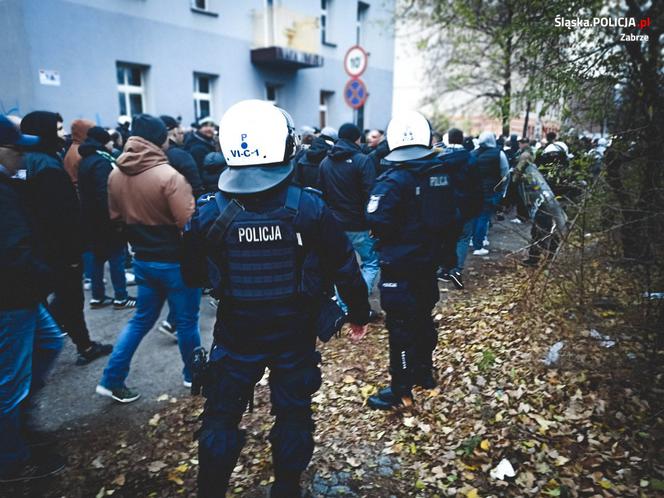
(286, 485)
(386, 399)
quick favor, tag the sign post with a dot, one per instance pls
(356, 61)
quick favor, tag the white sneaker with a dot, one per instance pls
(516, 220)
(485, 242)
(481, 252)
(168, 330)
(186, 384)
(87, 284)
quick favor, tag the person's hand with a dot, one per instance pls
(357, 332)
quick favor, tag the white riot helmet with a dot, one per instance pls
(558, 147)
(408, 137)
(258, 141)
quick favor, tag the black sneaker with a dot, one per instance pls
(35, 438)
(121, 394)
(96, 350)
(375, 316)
(38, 466)
(386, 400)
(96, 304)
(443, 275)
(168, 330)
(456, 278)
(119, 304)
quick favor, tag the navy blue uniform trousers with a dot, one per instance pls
(408, 300)
(294, 377)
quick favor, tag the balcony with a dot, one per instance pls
(285, 40)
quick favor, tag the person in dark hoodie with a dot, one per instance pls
(105, 241)
(306, 169)
(467, 204)
(346, 179)
(29, 336)
(57, 224)
(154, 202)
(201, 142)
(179, 158)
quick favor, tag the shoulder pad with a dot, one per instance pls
(314, 191)
(386, 174)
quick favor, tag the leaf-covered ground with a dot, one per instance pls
(590, 425)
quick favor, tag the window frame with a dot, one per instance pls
(325, 15)
(128, 89)
(199, 96)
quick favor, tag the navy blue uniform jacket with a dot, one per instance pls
(276, 326)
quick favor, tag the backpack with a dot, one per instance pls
(435, 196)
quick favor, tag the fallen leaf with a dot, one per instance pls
(156, 466)
(119, 480)
(485, 445)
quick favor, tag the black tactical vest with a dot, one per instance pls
(260, 251)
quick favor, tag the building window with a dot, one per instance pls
(131, 88)
(202, 7)
(272, 93)
(362, 14)
(203, 84)
(325, 101)
(326, 22)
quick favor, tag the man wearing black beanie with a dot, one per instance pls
(346, 179)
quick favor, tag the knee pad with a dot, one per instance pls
(292, 443)
(291, 391)
(220, 443)
(227, 395)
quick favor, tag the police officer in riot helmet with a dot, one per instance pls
(271, 251)
(404, 214)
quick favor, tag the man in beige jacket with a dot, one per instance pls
(154, 202)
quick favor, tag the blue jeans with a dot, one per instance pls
(369, 265)
(482, 221)
(88, 262)
(30, 340)
(463, 243)
(156, 283)
(116, 266)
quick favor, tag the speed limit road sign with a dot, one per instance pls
(356, 61)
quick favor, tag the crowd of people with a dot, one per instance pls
(289, 231)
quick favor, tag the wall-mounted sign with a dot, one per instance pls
(49, 77)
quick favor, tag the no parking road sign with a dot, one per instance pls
(355, 93)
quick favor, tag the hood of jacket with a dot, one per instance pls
(343, 149)
(318, 150)
(487, 139)
(79, 130)
(140, 155)
(44, 124)
(90, 146)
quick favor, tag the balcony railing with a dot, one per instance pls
(284, 39)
